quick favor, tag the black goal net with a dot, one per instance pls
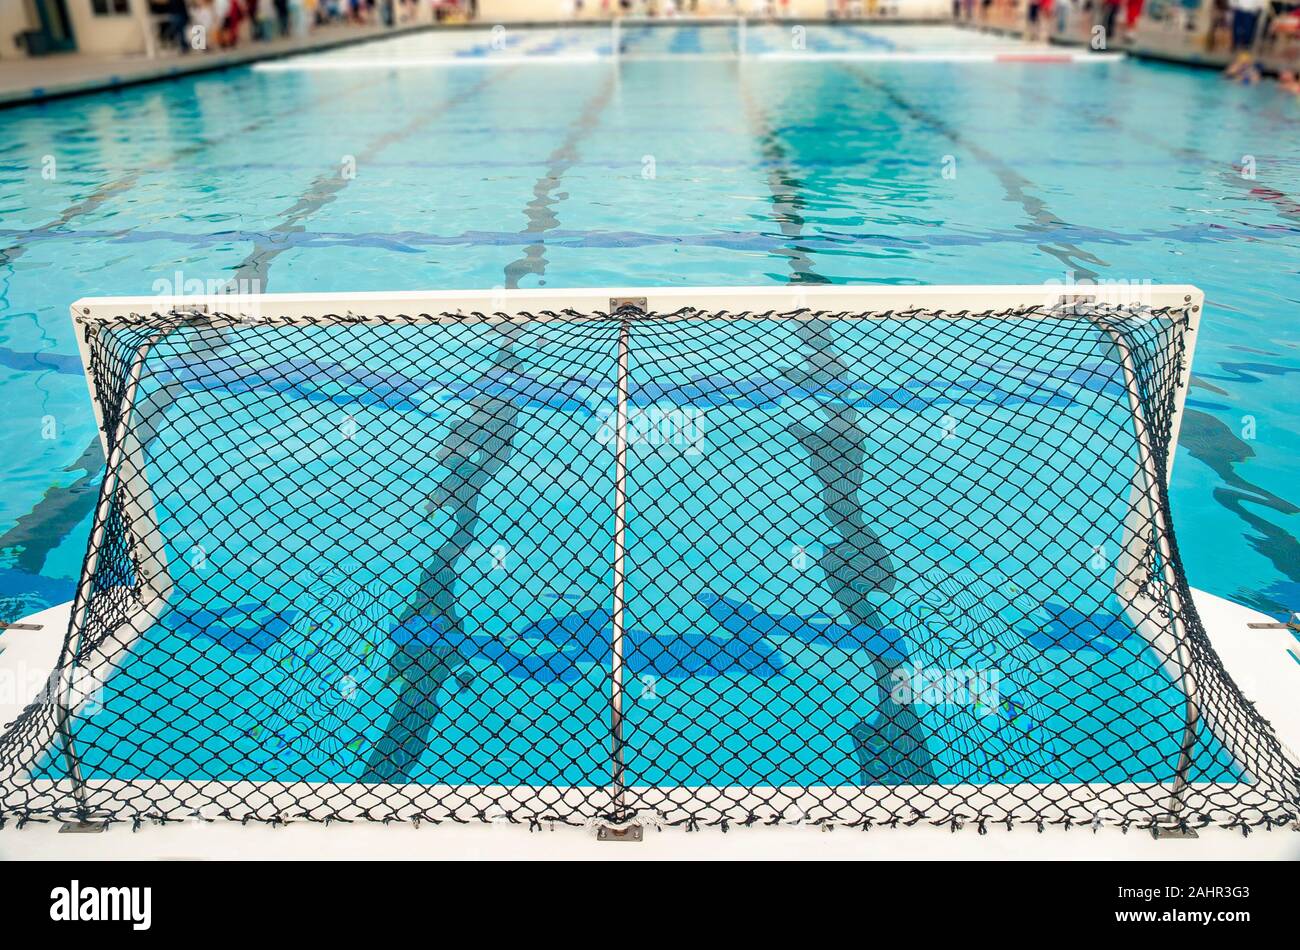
(700, 567)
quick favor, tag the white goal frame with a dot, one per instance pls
(875, 302)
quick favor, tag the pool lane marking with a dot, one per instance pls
(110, 189)
(541, 211)
(38, 532)
(407, 242)
(326, 187)
(1280, 202)
(64, 507)
(784, 188)
(1016, 186)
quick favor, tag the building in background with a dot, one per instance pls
(48, 27)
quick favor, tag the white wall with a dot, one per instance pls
(115, 34)
(14, 18)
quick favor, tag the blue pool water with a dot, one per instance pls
(657, 172)
(776, 173)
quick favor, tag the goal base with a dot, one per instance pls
(621, 833)
(1172, 831)
(83, 827)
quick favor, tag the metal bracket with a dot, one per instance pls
(1172, 831)
(21, 626)
(623, 303)
(83, 827)
(622, 833)
(1293, 624)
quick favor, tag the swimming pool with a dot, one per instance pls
(666, 172)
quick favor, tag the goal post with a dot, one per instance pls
(844, 554)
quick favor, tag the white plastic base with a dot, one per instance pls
(1260, 661)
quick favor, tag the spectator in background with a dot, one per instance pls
(204, 16)
(230, 16)
(1132, 11)
(282, 16)
(178, 20)
(1110, 20)
(1245, 21)
(260, 19)
(1040, 13)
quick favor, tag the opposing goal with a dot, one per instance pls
(693, 556)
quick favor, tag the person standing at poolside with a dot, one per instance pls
(1245, 21)
(178, 22)
(1039, 12)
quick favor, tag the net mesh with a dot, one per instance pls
(693, 567)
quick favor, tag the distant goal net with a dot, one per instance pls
(718, 556)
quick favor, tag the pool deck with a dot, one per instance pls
(37, 79)
(1262, 662)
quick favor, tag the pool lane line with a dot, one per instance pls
(541, 211)
(35, 534)
(406, 737)
(326, 187)
(784, 187)
(62, 508)
(1283, 204)
(828, 241)
(110, 189)
(1016, 186)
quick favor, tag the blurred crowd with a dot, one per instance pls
(222, 24)
(1257, 38)
(1261, 29)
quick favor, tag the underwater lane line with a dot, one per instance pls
(1017, 187)
(130, 179)
(326, 187)
(785, 188)
(422, 668)
(541, 212)
(1280, 202)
